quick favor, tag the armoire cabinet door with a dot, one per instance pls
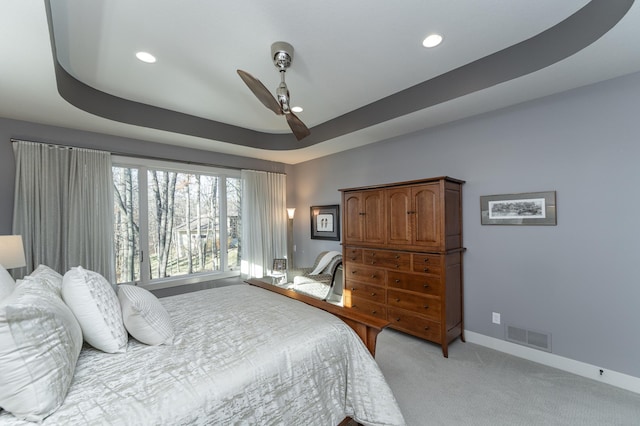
(353, 222)
(426, 219)
(413, 216)
(364, 217)
(373, 217)
(399, 216)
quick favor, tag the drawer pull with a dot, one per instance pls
(426, 328)
(374, 312)
(397, 256)
(373, 262)
(426, 259)
(353, 289)
(397, 299)
(373, 276)
(426, 306)
(397, 319)
(353, 259)
(426, 286)
(397, 266)
(373, 294)
(354, 272)
(426, 269)
(397, 281)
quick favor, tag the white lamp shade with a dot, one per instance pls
(11, 252)
(291, 212)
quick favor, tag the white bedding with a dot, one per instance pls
(241, 356)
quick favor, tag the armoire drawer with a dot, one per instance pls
(414, 282)
(353, 255)
(368, 307)
(414, 324)
(364, 274)
(428, 306)
(387, 259)
(427, 263)
(366, 291)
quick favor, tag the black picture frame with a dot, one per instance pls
(529, 208)
(279, 265)
(325, 222)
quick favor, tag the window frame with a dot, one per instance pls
(143, 165)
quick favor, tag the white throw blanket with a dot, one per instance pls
(325, 261)
(300, 279)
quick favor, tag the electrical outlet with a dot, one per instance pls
(495, 318)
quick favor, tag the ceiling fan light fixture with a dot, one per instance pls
(432, 40)
(282, 54)
(297, 109)
(146, 57)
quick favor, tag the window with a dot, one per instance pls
(174, 222)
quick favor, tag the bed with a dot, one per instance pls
(240, 355)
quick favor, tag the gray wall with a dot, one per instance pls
(578, 280)
(58, 135)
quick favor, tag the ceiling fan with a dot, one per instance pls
(282, 54)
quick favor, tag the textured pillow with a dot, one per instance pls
(7, 284)
(49, 277)
(43, 279)
(144, 316)
(40, 341)
(94, 303)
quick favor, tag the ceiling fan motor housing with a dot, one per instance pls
(282, 54)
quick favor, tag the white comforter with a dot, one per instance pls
(242, 356)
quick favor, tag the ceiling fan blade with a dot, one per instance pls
(261, 92)
(297, 126)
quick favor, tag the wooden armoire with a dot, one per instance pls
(402, 255)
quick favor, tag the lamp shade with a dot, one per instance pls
(291, 212)
(11, 252)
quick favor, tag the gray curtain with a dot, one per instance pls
(63, 207)
(264, 221)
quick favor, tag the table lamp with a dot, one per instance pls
(12, 252)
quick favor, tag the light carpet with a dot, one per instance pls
(480, 386)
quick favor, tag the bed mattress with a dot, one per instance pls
(241, 356)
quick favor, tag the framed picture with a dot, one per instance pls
(325, 222)
(530, 208)
(279, 265)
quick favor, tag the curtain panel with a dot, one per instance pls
(63, 207)
(264, 221)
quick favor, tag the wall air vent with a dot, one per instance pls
(530, 338)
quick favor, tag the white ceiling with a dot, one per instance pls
(348, 54)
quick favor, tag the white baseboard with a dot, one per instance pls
(583, 369)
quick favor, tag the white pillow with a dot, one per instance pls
(7, 284)
(94, 303)
(43, 279)
(49, 277)
(144, 316)
(40, 341)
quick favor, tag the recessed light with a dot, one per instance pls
(432, 40)
(146, 57)
(297, 109)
